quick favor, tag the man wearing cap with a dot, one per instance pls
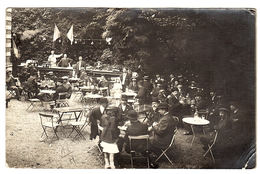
(135, 128)
(153, 114)
(65, 61)
(95, 116)
(123, 109)
(133, 85)
(163, 130)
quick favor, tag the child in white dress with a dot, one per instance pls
(109, 136)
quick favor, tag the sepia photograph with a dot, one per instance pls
(130, 88)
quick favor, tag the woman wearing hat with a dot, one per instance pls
(135, 128)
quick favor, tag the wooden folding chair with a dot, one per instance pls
(210, 146)
(144, 153)
(164, 151)
(47, 121)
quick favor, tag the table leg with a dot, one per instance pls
(193, 135)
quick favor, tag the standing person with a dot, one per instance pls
(125, 79)
(81, 64)
(95, 116)
(141, 95)
(109, 136)
(65, 61)
(53, 58)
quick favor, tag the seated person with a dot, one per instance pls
(12, 84)
(103, 82)
(65, 61)
(162, 97)
(153, 114)
(62, 88)
(163, 130)
(224, 139)
(135, 128)
(47, 83)
(31, 86)
(123, 109)
(67, 85)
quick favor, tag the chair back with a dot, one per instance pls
(203, 113)
(46, 118)
(140, 138)
(173, 137)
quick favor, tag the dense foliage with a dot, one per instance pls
(219, 45)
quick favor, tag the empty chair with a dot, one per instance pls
(48, 121)
(33, 103)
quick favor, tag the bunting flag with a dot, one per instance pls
(70, 34)
(56, 33)
(16, 51)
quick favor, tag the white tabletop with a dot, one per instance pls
(129, 93)
(195, 121)
(47, 91)
(93, 96)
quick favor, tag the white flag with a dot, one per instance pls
(16, 51)
(56, 33)
(70, 34)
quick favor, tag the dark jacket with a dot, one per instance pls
(93, 116)
(122, 114)
(77, 68)
(64, 62)
(110, 132)
(174, 105)
(153, 116)
(164, 131)
(136, 129)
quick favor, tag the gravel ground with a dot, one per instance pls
(25, 150)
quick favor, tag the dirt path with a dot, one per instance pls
(24, 149)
